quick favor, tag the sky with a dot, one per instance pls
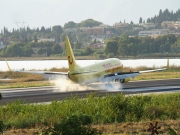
(47, 13)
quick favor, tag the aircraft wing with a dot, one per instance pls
(125, 75)
(46, 74)
(41, 72)
(154, 70)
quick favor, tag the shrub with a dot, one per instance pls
(1, 127)
(73, 125)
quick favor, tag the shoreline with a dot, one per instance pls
(78, 58)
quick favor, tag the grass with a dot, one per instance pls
(113, 114)
(171, 72)
(121, 112)
(21, 80)
(24, 84)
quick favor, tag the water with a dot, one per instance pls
(48, 64)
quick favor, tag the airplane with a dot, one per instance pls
(106, 71)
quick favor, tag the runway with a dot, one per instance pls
(47, 94)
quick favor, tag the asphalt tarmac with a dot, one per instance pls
(47, 94)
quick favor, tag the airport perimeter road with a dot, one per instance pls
(47, 94)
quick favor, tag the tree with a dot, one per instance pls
(43, 30)
(57, 29)
(88, 51)
(123, 44)
(77, 45)
(82, 36)
(70, 24)
(175, 48)
(27, 51)
(89, 23)
(56, 32)
(35, 39)
(14, 51)
(42, 51)
(140, 20)
(57, 49)
(111, 47)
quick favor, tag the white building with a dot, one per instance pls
(170, 24)
(147, 25)
(154, 32)
(2, 46)
(46, 40)
(121, 25)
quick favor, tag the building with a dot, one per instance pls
(97, 46)
(121, 25)
(95, 31)
(62, 44)
(46, 40)
(71, 30)
(147, 25)
(2, 46)
(137, 28)
(154, 32)
(177, 24)
(170, 24)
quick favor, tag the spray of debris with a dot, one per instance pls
(64, 84)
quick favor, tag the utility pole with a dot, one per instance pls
(20, 25)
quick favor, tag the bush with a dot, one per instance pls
(73, 125)
(1, 127)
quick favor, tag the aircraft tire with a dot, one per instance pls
(121, 80)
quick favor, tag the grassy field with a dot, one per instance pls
(111, 114)
(171, 72)
(22, 80)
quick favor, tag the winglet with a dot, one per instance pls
(71, 59)
(8, 66)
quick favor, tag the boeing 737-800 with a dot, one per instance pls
(107, 70)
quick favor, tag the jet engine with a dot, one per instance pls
(122, 80)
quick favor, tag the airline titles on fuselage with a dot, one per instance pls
(110, 68)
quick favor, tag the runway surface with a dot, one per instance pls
(47, 94)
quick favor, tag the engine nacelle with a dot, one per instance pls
(124, 80)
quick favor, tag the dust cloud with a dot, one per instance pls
(112, 86)
(64, 85)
